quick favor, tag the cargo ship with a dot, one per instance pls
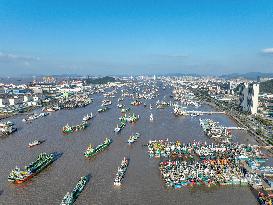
(70, 129)
(70, 198)
(19, 176)
(90, 152)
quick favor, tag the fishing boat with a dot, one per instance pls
(19, 176)
(120, 105)
(130, 118)
(106, 102)
(151, 117)
(7, 128)
(120, 127)
(35, 116)
(70, 198)
(121, 171)
(103, 109)
(70, 129)
(90, 152)
(35, 142)
(124, 110)
(136, 103)
(133, 138)
(51, 109)
(117, 129)
(88, 117)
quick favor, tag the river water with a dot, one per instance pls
(142, 183)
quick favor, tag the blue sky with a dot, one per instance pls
(135, 37)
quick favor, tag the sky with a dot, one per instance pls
(110, 37)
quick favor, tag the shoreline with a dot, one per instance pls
(238, 122)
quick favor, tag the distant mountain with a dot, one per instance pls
(249, 76)
(266, 87)
(180, 74)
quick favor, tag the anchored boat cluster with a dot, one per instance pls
(75, 101)
(7, 128)
(121, 171)
(214, 131)
(35, 116)
(207, 164)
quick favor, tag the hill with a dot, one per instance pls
(249, 76)
(266, 87)
(102, 80)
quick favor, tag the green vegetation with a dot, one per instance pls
(264, 121)
(266, 87)
(102, 80)
(259, 131)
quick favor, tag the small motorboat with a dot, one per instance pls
(88, 117)
(35, 142)
(133, 138)
(151, 117)
(117, 129)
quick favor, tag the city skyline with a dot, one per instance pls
(140, 37)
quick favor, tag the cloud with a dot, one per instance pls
(267, 51)
(8, 57)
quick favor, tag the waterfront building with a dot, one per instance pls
(249, 93)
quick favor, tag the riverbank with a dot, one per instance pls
(258, 138)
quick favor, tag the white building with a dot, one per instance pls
(249, 97)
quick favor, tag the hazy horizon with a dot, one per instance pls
(135, 37)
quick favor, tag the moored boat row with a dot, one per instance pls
(121, 171)
(71, 197)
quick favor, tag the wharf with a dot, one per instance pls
(203, 112)
(265, 185)
(236, 128)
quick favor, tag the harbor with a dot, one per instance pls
(142, 182)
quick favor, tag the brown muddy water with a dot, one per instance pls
(142, 183)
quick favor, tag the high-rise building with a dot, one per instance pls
(249, 93)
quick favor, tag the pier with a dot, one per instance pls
(236, 128)
(203, 112)
(265, 185)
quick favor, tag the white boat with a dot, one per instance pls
(34, 143)
(151, 117)
(133, 138)
(87, 117)
(7, 128)
(106, 102)
(117, 129)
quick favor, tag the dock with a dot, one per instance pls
(235, 128)
(203, 112)
(265, 185)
